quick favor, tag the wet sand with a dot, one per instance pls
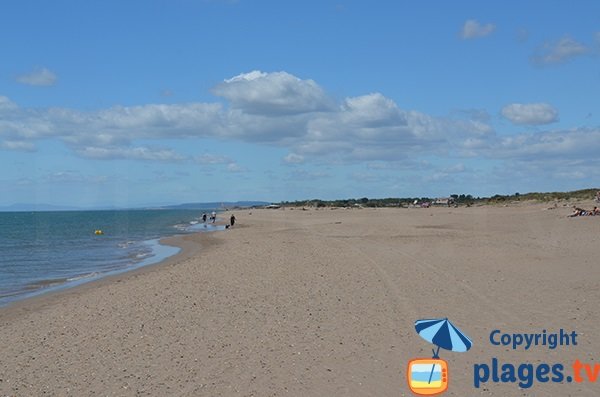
(318, 303)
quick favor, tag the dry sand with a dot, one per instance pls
(317, 303)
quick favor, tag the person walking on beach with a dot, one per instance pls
(213, 216)
(232, 220)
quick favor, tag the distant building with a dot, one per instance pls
(444, 201)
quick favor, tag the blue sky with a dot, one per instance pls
(154, 102)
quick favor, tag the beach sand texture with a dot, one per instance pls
(317, 303)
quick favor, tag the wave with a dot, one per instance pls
(83, 276)
(125, 244)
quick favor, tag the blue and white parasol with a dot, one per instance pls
(442, 333)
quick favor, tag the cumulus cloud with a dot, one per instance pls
(562, 50)
(277, 93)
(537, 159)
(368, 128)
(38, 77)
(473, 29)
(579, 144)
(372, 111)
(117, 126)
(530, 114)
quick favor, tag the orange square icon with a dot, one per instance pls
(427, 376)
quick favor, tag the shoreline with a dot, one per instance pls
(158, 246)
(189, 245)
(48, 286)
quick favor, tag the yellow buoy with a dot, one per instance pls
(98, 232)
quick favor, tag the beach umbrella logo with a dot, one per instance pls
(429, 376)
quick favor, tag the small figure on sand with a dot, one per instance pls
(577, 212)
(232, 220)
(213, 216)
(582, 212)
(204, 217)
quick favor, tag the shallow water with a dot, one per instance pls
(44, 251)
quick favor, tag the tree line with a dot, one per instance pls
(457, 199)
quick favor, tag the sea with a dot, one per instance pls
(47, 251)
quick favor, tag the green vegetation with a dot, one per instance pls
(584, 194)
(459, 199)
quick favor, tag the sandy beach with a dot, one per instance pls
(318, 303)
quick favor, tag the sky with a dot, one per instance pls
(137, 103)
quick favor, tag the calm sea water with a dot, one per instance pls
(44, 251)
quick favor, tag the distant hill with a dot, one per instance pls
(26, 207)
(214, 205)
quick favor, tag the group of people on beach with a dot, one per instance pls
(581, 212)
(213, 218)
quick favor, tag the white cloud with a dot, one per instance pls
(473, 29)
(372, 111)
(38, 77)
(18, 145)
(277, 93)
(579, 143)
(560, 51)
(530, 114)
(234, 167)
(6, 104)
(373, 127)
(368, 128)
(117, 126)
(293, 158)
(134, 153)
(534, 174)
